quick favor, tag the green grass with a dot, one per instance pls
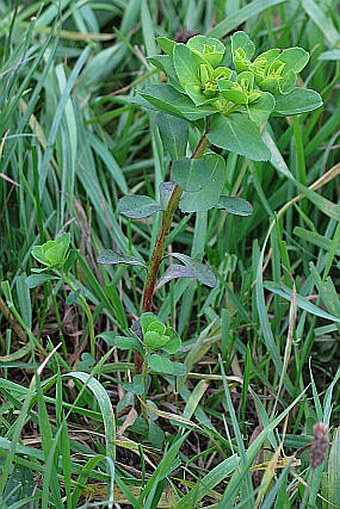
(261, 348)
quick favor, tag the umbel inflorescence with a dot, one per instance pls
(235, 95)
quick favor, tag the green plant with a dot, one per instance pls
(225, 108)
(53, 253)
(58, 260)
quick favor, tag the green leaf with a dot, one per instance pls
(260, 109)
(191, 174)
(327, 291)
(207, 197)
(286, 293)
(180, 369)
(121, 342)
(165, 192)
(166, 98)
(166, 64)
(136, 386)
(166, 44)
(124, 343)
(187, 65)
(333, 54)
(53, 253)
(295, 59)
(238, 17)
(287, 83)
(73, 298)
(160, 364)
(322, 21)
(156, 435)
(333, 479)
(146, 320)
(315, 238)
(237, 133)
(213, 478)
(109, 257)
(174, 271)
(156, 335)
(242, 40)
(110, 162)
(198, 97)
(105, 405)
(174, 342)
(24, 299)
(174, 133)
(86, 363)
(35, 280)
(137, 206)
(211, 49)
(201, 272)
(236, 206)
(153, 340)
(157, 326)
(231, 91)
(263, 64)
(299, 100)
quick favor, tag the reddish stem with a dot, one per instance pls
(159, 248)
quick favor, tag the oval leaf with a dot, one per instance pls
(211, 49)
(260, 110)
(160, 364)
(165, 191)
(137, 207)
(299, 100)
(207, 197)
(166, 98)
(295, 59)
(174, 344)
(237, 133)
(174, 271)
(179, 368)
(167, 45)
(187, 65)
(35, 280)
(136, 386)
(121, 342)
(241, 40)
(109, 257)
(201, 272)
(236, 206)
(154, 341)
(174, 133)
(191, 174)
(165, 64)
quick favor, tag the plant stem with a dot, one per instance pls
(159, 247)
(89, 316)
(11, 320)
(168, 215)
(158, 251)
(144, 381)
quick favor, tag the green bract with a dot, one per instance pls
(157, 336)
(245, 96)
(275, 70)
(53, 253)
(212, 50)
